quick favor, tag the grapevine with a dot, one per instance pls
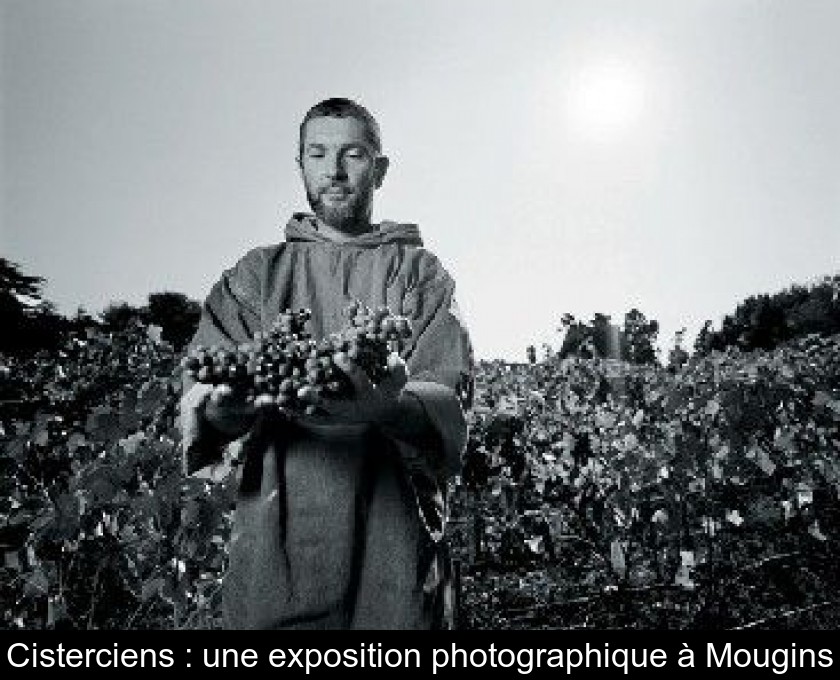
(593, 493)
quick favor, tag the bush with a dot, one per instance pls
(595, 492)
(700, 497)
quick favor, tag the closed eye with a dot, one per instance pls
(356, 152)
(315, 151)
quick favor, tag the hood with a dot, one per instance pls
(304, 227)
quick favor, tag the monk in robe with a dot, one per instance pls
(340, 517)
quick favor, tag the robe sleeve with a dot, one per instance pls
(440, 363)
(230, 316)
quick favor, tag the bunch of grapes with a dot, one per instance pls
(288, 368)
(370, 336)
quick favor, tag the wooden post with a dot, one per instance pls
(456, 565)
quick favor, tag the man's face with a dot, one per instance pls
(341, 169)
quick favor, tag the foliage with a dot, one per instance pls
(595, 492)
(15, 287)
(642, 497)
(634, 342)
(176, 314)
(531, 353)
(29, 321)
(766, 321)
(639, 338)
(98, 529)
(121, 316)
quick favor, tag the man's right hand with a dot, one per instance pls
(229, 414)
(209, 418)
(205, 405)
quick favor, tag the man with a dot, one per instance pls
(340, 516)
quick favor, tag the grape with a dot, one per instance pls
(264, 400)
(221, 392)
(285, 367)
(190, 363)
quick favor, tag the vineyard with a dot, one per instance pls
(595, 493)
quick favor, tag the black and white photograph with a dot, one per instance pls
(446, 315)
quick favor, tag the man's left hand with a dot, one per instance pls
(369, 403)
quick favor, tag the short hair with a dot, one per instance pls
(337, 107)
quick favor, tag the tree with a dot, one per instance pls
(765, 321)
(176, 314)
(531, 352)
(120, 316)
(705, 340)
(81, 321)
(16, 287)
(639, 338)
(29, 321)
(635, 342)
(588, 340)
(577, 340)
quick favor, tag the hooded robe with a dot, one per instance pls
(342, 527)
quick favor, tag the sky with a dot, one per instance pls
(559, 156)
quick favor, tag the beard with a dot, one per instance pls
(350, 215)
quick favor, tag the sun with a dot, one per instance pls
(606, 100)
